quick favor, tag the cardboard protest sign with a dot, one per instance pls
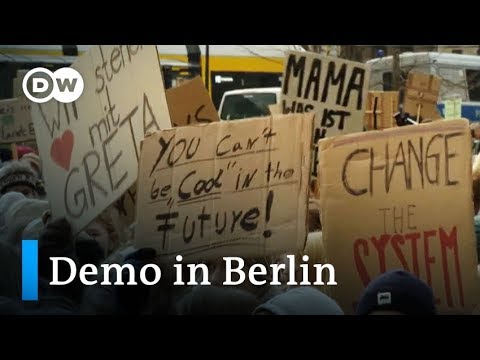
(453, 109)
(275, 109)
(381, 107)
(125, 206)
(190, 104)
(90, 148)
(14, 149)
(236, 188)
(401, 198)
(421, 95)
(15, 121)
(333, 88)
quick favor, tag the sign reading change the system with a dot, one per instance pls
(401, 198)
(90, 148)
(237, 188)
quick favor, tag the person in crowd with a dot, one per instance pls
(5, 156)
(23, 150)
(101, 299)
(18, 177)
(397, 292)
(104, 232)
(56, 240)
(262, 292)
(20, 218)
(33, 160)
(134, 300)
(10, 281)
(88, 250)
(303, 300)
(216, 300)
(314, 223)
(475, 130)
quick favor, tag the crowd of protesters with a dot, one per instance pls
(25, 214)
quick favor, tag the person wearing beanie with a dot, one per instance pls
(216, 300)
(34, 161)
(23, 150)
(10, 269)
(304, 300)
(397, 292)
(19, 216)
(5, 155)
(18, 177)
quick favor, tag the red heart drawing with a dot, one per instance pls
(61, 150)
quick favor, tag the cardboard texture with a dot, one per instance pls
(335, 89)
(125, 206)
(190, 104)
(381, 106)
(275, 109)
(401, 198)
(421, 95)
(332, 88)
(14, 149)
(236, 188)
(90, 148)
(15, 121)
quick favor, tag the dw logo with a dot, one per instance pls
(64, 85)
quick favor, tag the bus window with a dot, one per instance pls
(226, 81)
(174, 76)
(473, 82)
(248, 105)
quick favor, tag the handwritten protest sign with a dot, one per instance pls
(237, 188)
(333, 88)
(15, 121)
(90, 148)
(453, 109)
(275, 109)
(190, 104)
(401, 198)
(421, 95)
(381, 107)
(125, 206)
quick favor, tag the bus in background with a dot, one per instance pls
(16, 60)
(460, 75)
(222, 67)
(248, 103)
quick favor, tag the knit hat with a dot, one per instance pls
(34, 161)
(17, 173)
(19, 216)
(304, 300)
(23, 150)
(216, 300)
(399, 291)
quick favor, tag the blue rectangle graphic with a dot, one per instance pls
(30, 270)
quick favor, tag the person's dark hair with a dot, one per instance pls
(10, 269)
(57, 240)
